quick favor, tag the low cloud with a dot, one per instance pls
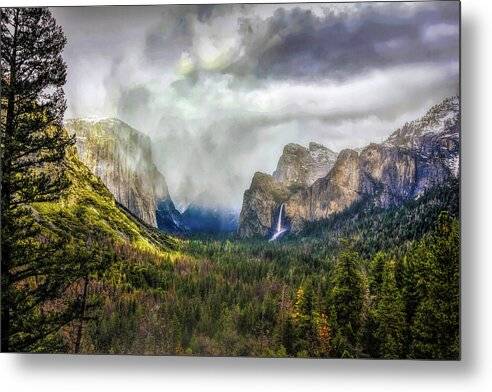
(221, 89)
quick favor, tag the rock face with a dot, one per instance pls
(168, 218)
(303, 166)
(297, 169)
(259, 203)
(414, 158)
(332, 193)
(121, 157)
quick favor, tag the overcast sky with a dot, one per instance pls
(221, 89)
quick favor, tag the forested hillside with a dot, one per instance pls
(372, 228)
(252, 299)
(321, 297)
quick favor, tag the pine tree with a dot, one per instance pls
(435, 327)
(376, 272)
(288, 336)
(348, 304)
(390, 316)
(323, 334)
(33, 145)
(302, 318)
(375, 277)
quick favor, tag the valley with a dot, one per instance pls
(257, 180)
(354, 264)
(185, 288)
(274, 299)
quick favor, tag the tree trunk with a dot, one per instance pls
(6, 195)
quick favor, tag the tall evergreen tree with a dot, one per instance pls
(312, 331)
(390, 315)
(348, 304)
(435, 325)
(33, 145)
(375, 279)
(376, 273)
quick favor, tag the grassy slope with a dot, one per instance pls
(88, 205)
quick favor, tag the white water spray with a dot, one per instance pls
(280, 230)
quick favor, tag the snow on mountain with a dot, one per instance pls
(442, 118)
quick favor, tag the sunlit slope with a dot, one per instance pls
(88, 207)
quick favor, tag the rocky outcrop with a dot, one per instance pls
(259, 203)
(303, 166)
(121, 157)
(168, 218)
(332, 193)
(414, 158)
(297, 169)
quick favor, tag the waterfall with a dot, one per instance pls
(280, 230)
(279, 222)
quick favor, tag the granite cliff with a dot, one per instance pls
(414, 158)
(303, 166)
(121, 157)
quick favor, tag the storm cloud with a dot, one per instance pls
(301, 44)
(222, 88)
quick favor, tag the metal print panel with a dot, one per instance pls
(268, 180)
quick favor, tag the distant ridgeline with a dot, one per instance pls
(311, 184)
(314, 184)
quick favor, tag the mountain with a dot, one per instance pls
(434, 136)
(372, 229)
(298, 168)
(414, 158)
(121, 157)
(441, 120)
(303, 166)
(201, 219)
(88, 207)
(168, 218)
